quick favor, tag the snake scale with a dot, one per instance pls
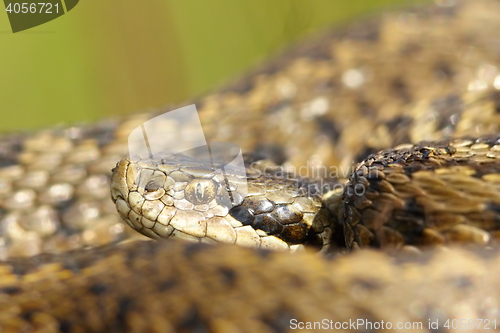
(424, 81)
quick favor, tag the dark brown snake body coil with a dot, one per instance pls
(424, 81)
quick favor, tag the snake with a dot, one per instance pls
(370, 198)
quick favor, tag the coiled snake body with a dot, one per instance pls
(425, 76)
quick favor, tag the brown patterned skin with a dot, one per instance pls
(430, 194)
(425, 74)
(182, 287)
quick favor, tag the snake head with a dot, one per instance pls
(199, 203)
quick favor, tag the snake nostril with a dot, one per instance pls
(153, 190)
(152, 186)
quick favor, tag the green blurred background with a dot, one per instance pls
(110, 57)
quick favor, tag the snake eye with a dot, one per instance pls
(200, 191)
